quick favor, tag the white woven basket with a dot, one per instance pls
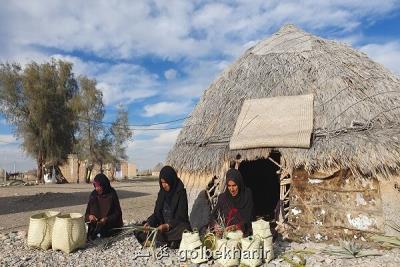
(227, 259)
(261, 229)
(268, 249)
(189, 242)
(251, 251)
(40, 229)
(235, 235)
(69, 232)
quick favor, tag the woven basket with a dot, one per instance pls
(227, 259)
(235, 235)
(251, 251)
(40, 229)
(261, 230)
(69, 232)
(189, 242)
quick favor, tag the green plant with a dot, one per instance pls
(348, 250)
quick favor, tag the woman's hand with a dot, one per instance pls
(146, 227)
(92, 218)
(231, 228)
(103, 220)
(163, 227)
(218, 230)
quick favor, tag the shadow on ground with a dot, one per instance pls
(49, 200)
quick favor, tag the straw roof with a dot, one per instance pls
(356, 107)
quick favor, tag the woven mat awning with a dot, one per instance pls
(285, 121)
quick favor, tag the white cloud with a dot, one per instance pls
(199, 75)
(120, 83)
(168, 29)
(7, 138)
(388, 54)
(147, 153)
(170, 74)
(166, 108)
(167, 138)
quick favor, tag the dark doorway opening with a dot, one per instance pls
(261, 177)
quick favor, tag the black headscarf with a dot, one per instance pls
(104, 182)
(169, 175)
(243, 197)
(235, 209)
(105, 205)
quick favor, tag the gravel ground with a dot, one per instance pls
(137, 202)
(14, 252)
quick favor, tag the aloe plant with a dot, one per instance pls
(349, 249)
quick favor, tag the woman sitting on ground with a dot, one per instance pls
(234, 206)
(103, 211)
(170, 214)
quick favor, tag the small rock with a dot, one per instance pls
(168, 262)
(21, 233)
(12, 235)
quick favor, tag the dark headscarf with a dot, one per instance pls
(169, 175)
(105, 205)
(243, 197)
(104, 182)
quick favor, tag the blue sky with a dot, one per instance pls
(157, 57)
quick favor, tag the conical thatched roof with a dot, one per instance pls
(356, 107)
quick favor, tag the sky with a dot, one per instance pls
(158, 57)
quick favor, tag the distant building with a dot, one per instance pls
(70, 170)
(132, 170)
(3, 175)
(156, 170)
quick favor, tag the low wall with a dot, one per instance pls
(334, 207)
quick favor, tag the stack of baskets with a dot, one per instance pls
(248, 251)
(65, 232)
(262, 231)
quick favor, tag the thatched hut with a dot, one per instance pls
(323, 139)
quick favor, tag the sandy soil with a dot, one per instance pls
(18, 203)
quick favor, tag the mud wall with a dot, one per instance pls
(324, 207)
(390, 190)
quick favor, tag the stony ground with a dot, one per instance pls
(137, 200)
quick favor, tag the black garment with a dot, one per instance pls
(167, 212)
(171, 207)
(105, 205)
(238, 210)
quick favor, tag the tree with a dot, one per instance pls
(90, 137)
(37, 100)
(121, 133)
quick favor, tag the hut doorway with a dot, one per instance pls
(261, 177)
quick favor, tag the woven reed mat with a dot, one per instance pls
(284, 121)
